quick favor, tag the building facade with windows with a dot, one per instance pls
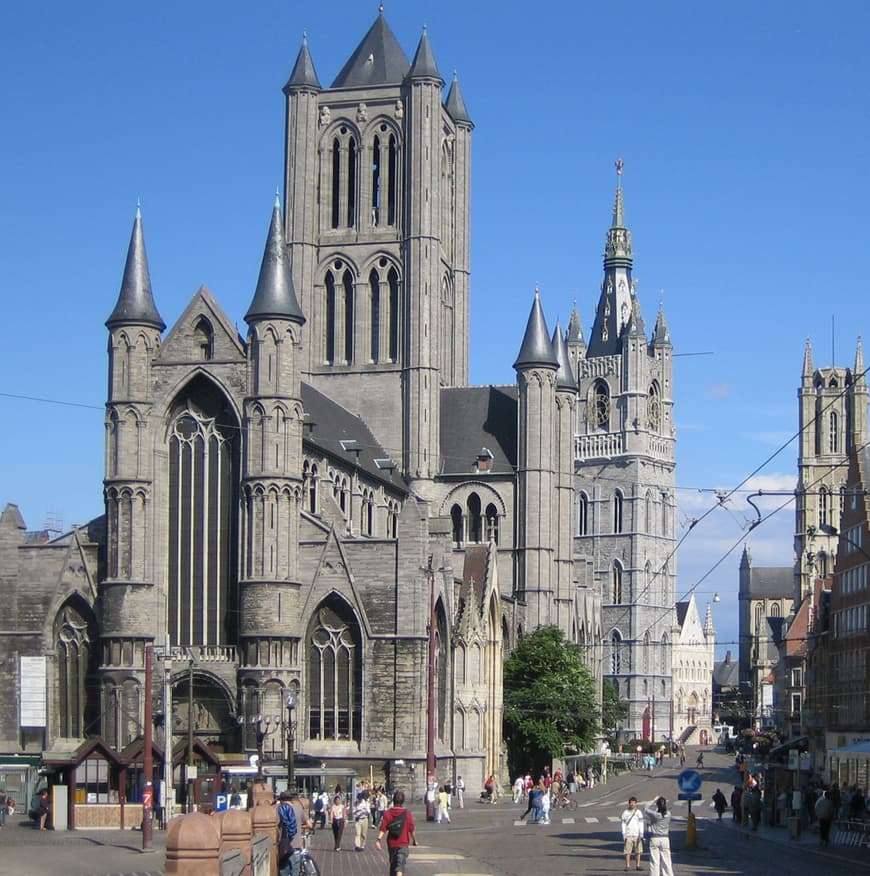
(294, 516)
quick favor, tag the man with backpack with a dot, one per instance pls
(398, 827)
(287, 829)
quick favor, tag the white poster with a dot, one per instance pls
(32, 671)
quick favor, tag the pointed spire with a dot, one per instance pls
(859, 360)
(423, 66)
(635, 326)
(304, 75)
(456, 103)
(575, 328)
(708, 621)
(135, 302)
(661, 333)
(618, 247)
(564, 376)
(536, 350)
(377, 60)
(275, 296)
(808, 360)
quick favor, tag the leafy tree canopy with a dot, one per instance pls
(549, 699)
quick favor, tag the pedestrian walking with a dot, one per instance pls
(519, 789)
(632, 833)
(460, 792)
(546, 798)
(362, 812)
(700, 761)
(398, 826)
(337, 818)
(825, 813)
(288, 829)
(658, 820)
(720, 804)
(443, 799)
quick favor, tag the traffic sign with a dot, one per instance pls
(220, 802)
(689, 781)
(692, 796)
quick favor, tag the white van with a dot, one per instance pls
(724, 732)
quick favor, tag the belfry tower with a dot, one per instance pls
(624, 462)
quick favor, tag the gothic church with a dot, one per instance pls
(286, 511)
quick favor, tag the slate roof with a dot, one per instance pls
(474, 417)
(303, 75)
(337, 432)
(771, 582)
(377, 60)
(537, 348)
(682, 610)
(726, 674)
(456, 104)
(135, 304)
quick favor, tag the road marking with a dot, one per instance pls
(613, 818)
(567, 820)
(437, 856)
(519, 823)
(591, 819)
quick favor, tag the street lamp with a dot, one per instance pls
(291, 700)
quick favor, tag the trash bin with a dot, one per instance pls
(794, 826)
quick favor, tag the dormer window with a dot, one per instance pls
(484, 460)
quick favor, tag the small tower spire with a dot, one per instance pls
(859, 360)
(275, 296)
(808, 360)
(455, 104)
(423, 66)
(304, 75)
(135, 304)
(564, 376)
(536, 349)
(708, 621)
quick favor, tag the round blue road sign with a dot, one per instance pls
(689, 781)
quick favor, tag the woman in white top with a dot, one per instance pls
(658, 820)
(337, 818)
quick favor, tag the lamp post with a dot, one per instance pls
(291, 700)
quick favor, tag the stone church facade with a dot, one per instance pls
(296, 510)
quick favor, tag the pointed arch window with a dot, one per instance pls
(376, 181)
(645, 657)
(582, 514)
(329, 353)
(475, 524)
(334, 675)
(833, 433)
(375, 309)
(615, 653)
(663, 656)
(351, 182)
(203, 501)
(824, 506)
(336, 182)
(393, 316)
(393, 520)
(616, 583)
(654, 408)
(203, 338)
(617, 511)
(74, 652)
(649, 514)
(347, 282)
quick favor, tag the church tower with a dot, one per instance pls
(377, 189)
(272, 463)
(833, 424)
(625, 482)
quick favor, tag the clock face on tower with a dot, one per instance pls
(654, 412)
(602, 408)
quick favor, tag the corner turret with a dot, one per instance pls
(536, 350)
(304, 75)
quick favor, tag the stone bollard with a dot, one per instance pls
(235, 833)
(265, 820)
(262, 794)
(192, 846)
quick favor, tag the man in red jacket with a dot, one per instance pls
(398, 826)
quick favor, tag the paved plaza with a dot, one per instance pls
(485, 840)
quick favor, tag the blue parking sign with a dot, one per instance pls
(221, 802)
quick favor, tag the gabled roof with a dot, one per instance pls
(377, 60)
(771, 582)
(338, 433)
(74, 756)
(474, 417)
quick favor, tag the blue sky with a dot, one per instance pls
(743, 127)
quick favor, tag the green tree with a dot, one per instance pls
(613, 710)
(549, 700)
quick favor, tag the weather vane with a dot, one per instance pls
(619, 165)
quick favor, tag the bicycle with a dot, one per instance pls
(307, 865)
(564, 801)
